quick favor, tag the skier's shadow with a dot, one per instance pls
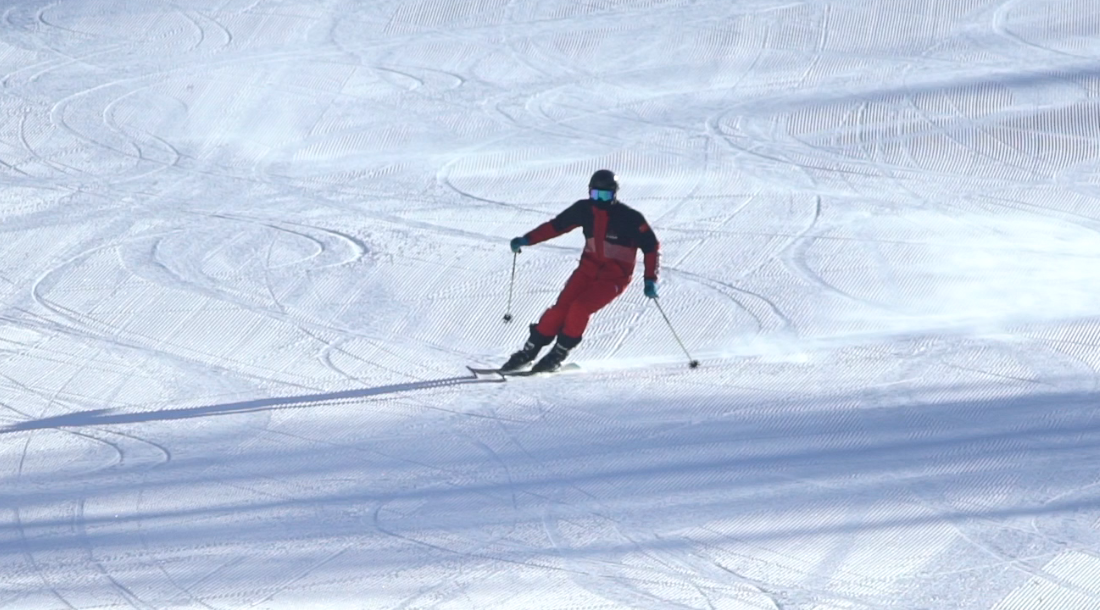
(103, 417)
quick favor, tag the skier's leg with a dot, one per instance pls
(594, 298)
(597, 296)
(543, 333)
(552, 319)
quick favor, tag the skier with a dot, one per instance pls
(613, 234)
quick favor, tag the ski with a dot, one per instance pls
(566, 368)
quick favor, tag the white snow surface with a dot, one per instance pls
(247, 248)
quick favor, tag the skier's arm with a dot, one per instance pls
(542, 233)
(569, 219)
(651, 248)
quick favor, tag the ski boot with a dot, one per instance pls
(553, 359)
(530, 351)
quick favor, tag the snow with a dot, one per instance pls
(249, 246)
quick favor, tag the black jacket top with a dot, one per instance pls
(613, 231)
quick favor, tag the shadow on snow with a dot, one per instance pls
(103, 417)
(686, 474)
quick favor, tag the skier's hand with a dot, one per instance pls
(518, 243)
(651, 288)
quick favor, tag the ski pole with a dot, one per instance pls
(511, 285)
(691, 361)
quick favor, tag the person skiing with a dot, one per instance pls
(614, 232)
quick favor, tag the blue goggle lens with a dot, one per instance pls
(601, 195)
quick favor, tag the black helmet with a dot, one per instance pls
(604, 180)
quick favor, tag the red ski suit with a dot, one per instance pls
(614, 232)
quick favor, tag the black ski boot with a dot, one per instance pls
(530, 351)
(553, 359)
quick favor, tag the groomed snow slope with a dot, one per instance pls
(248, 246)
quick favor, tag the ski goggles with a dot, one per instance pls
(601, 195)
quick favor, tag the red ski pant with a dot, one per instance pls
(582, 296)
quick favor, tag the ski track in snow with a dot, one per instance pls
(250, 246)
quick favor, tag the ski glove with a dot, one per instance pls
(518, 243)
(651, 288)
